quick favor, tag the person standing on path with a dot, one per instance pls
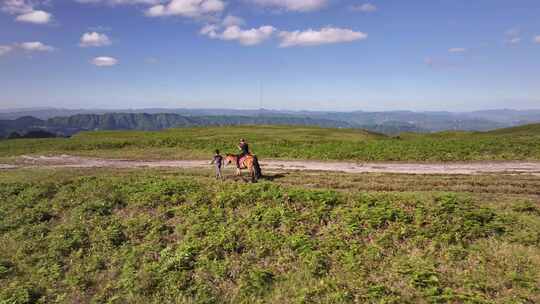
(218, 161)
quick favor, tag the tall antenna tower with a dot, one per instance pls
(260, 97)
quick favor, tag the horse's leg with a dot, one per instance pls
(252, 173)
(249, 165)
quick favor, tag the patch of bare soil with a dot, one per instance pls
(507, 167)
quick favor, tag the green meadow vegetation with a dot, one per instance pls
(287, 142)
(178, 236)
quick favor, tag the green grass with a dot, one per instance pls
(522, 143)
(165, 236)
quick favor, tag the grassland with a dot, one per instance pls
(170, 236)
(179, 236)
(522, 143)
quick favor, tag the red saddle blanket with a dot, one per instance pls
(242, 159)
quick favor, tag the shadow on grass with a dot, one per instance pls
(272, 177)
(247, 179)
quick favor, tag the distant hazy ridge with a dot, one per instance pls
(68, 122)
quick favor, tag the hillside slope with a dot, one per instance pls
(290, 142)
(526, 130)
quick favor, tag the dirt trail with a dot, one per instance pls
(67, 161)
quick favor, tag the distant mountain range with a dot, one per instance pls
(66, 126)
(68, 122)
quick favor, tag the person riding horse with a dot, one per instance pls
(245, 160)
(244, 150)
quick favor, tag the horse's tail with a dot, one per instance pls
(257, 167)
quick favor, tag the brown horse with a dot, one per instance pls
(249, 162)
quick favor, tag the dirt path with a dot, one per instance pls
(67, 161)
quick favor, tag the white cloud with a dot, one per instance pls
(37, 17)
(94, 39)
(32, 46)
(457, 50)
(4, 49)
(326, 35)
(104, 61)
(17, 6)
(209, 30)
(187, 8)
(364, 8)
(35, 46)
(536, 39)
(247, 37)
(231, 20)
(25, 9)
(293, 5)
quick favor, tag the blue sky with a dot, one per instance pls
(305, 54)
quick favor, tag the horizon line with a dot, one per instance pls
(37, 108)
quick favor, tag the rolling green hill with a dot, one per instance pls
(526, 130)
(178, 236)
(291, 142)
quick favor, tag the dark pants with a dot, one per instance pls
(218, 172)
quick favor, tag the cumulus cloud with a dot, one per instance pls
(536, 39)
(210, 30)
(457, 50)
(104, 61)
(364, 8)
(326, 35)
(187, 8)
(25, 11)
(4, 49)
(293, 5)
(28, 47)
(17, 6)
(231, 20)
(35, 46)
(94, 39)
(247, 37)
(37, 17)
